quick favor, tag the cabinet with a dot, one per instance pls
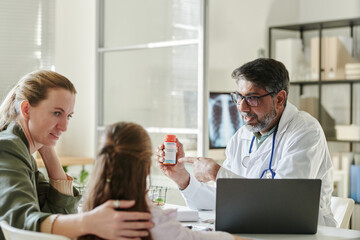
(332, 101)
(320, 30)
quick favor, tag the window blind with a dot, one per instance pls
(26, 39)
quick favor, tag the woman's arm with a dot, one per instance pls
(105, 222)
(19, 198)
(52, 163)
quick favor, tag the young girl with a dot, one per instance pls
(120, 172)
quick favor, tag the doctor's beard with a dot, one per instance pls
(262, 123)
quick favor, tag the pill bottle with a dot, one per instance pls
(170, 149)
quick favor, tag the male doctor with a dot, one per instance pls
(277, 141)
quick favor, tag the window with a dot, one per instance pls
(26, 39)
(150, 57)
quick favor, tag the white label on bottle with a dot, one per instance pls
(170, 153)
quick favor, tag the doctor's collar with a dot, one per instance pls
(259, 136)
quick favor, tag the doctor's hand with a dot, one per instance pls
(175, 172)
(205, 169)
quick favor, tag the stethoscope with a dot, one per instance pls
(268, 173)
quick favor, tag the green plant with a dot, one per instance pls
(83, 175)
(80, 180)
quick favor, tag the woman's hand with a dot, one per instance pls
(105, 222)
(176, 172)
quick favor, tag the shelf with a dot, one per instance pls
(324, 82)
(321, 83)
(318, 25)
(345, 141)
(68, 161)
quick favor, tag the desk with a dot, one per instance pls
(328, 233)
(322, 233)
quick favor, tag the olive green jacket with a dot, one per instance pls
(26, 197)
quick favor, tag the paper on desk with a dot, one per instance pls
(187, 215)
(181, 213)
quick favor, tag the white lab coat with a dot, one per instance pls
(300, 152)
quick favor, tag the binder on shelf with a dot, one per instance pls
(355, 182)
(289, 52)
(314, 60)
(348, 132)
(335, 53)
(339, 49)
(352, 71)
(311, 105)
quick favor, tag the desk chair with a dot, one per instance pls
(342, 209)
(12, 233)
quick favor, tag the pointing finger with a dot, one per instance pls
(188, 159)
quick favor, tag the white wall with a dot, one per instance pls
(325, 10)
(75, 58)
(237, 30)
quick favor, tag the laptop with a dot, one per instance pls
(281, 206)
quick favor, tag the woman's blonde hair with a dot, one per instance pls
(121, 168)
(32, 87)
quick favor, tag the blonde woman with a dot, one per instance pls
(32, 118)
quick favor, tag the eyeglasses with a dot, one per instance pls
(252, 101)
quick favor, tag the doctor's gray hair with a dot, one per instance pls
(265, 73)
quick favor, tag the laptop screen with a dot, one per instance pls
(267, 205)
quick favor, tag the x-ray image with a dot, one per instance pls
(224, 119)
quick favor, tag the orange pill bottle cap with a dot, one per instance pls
(170, 138)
